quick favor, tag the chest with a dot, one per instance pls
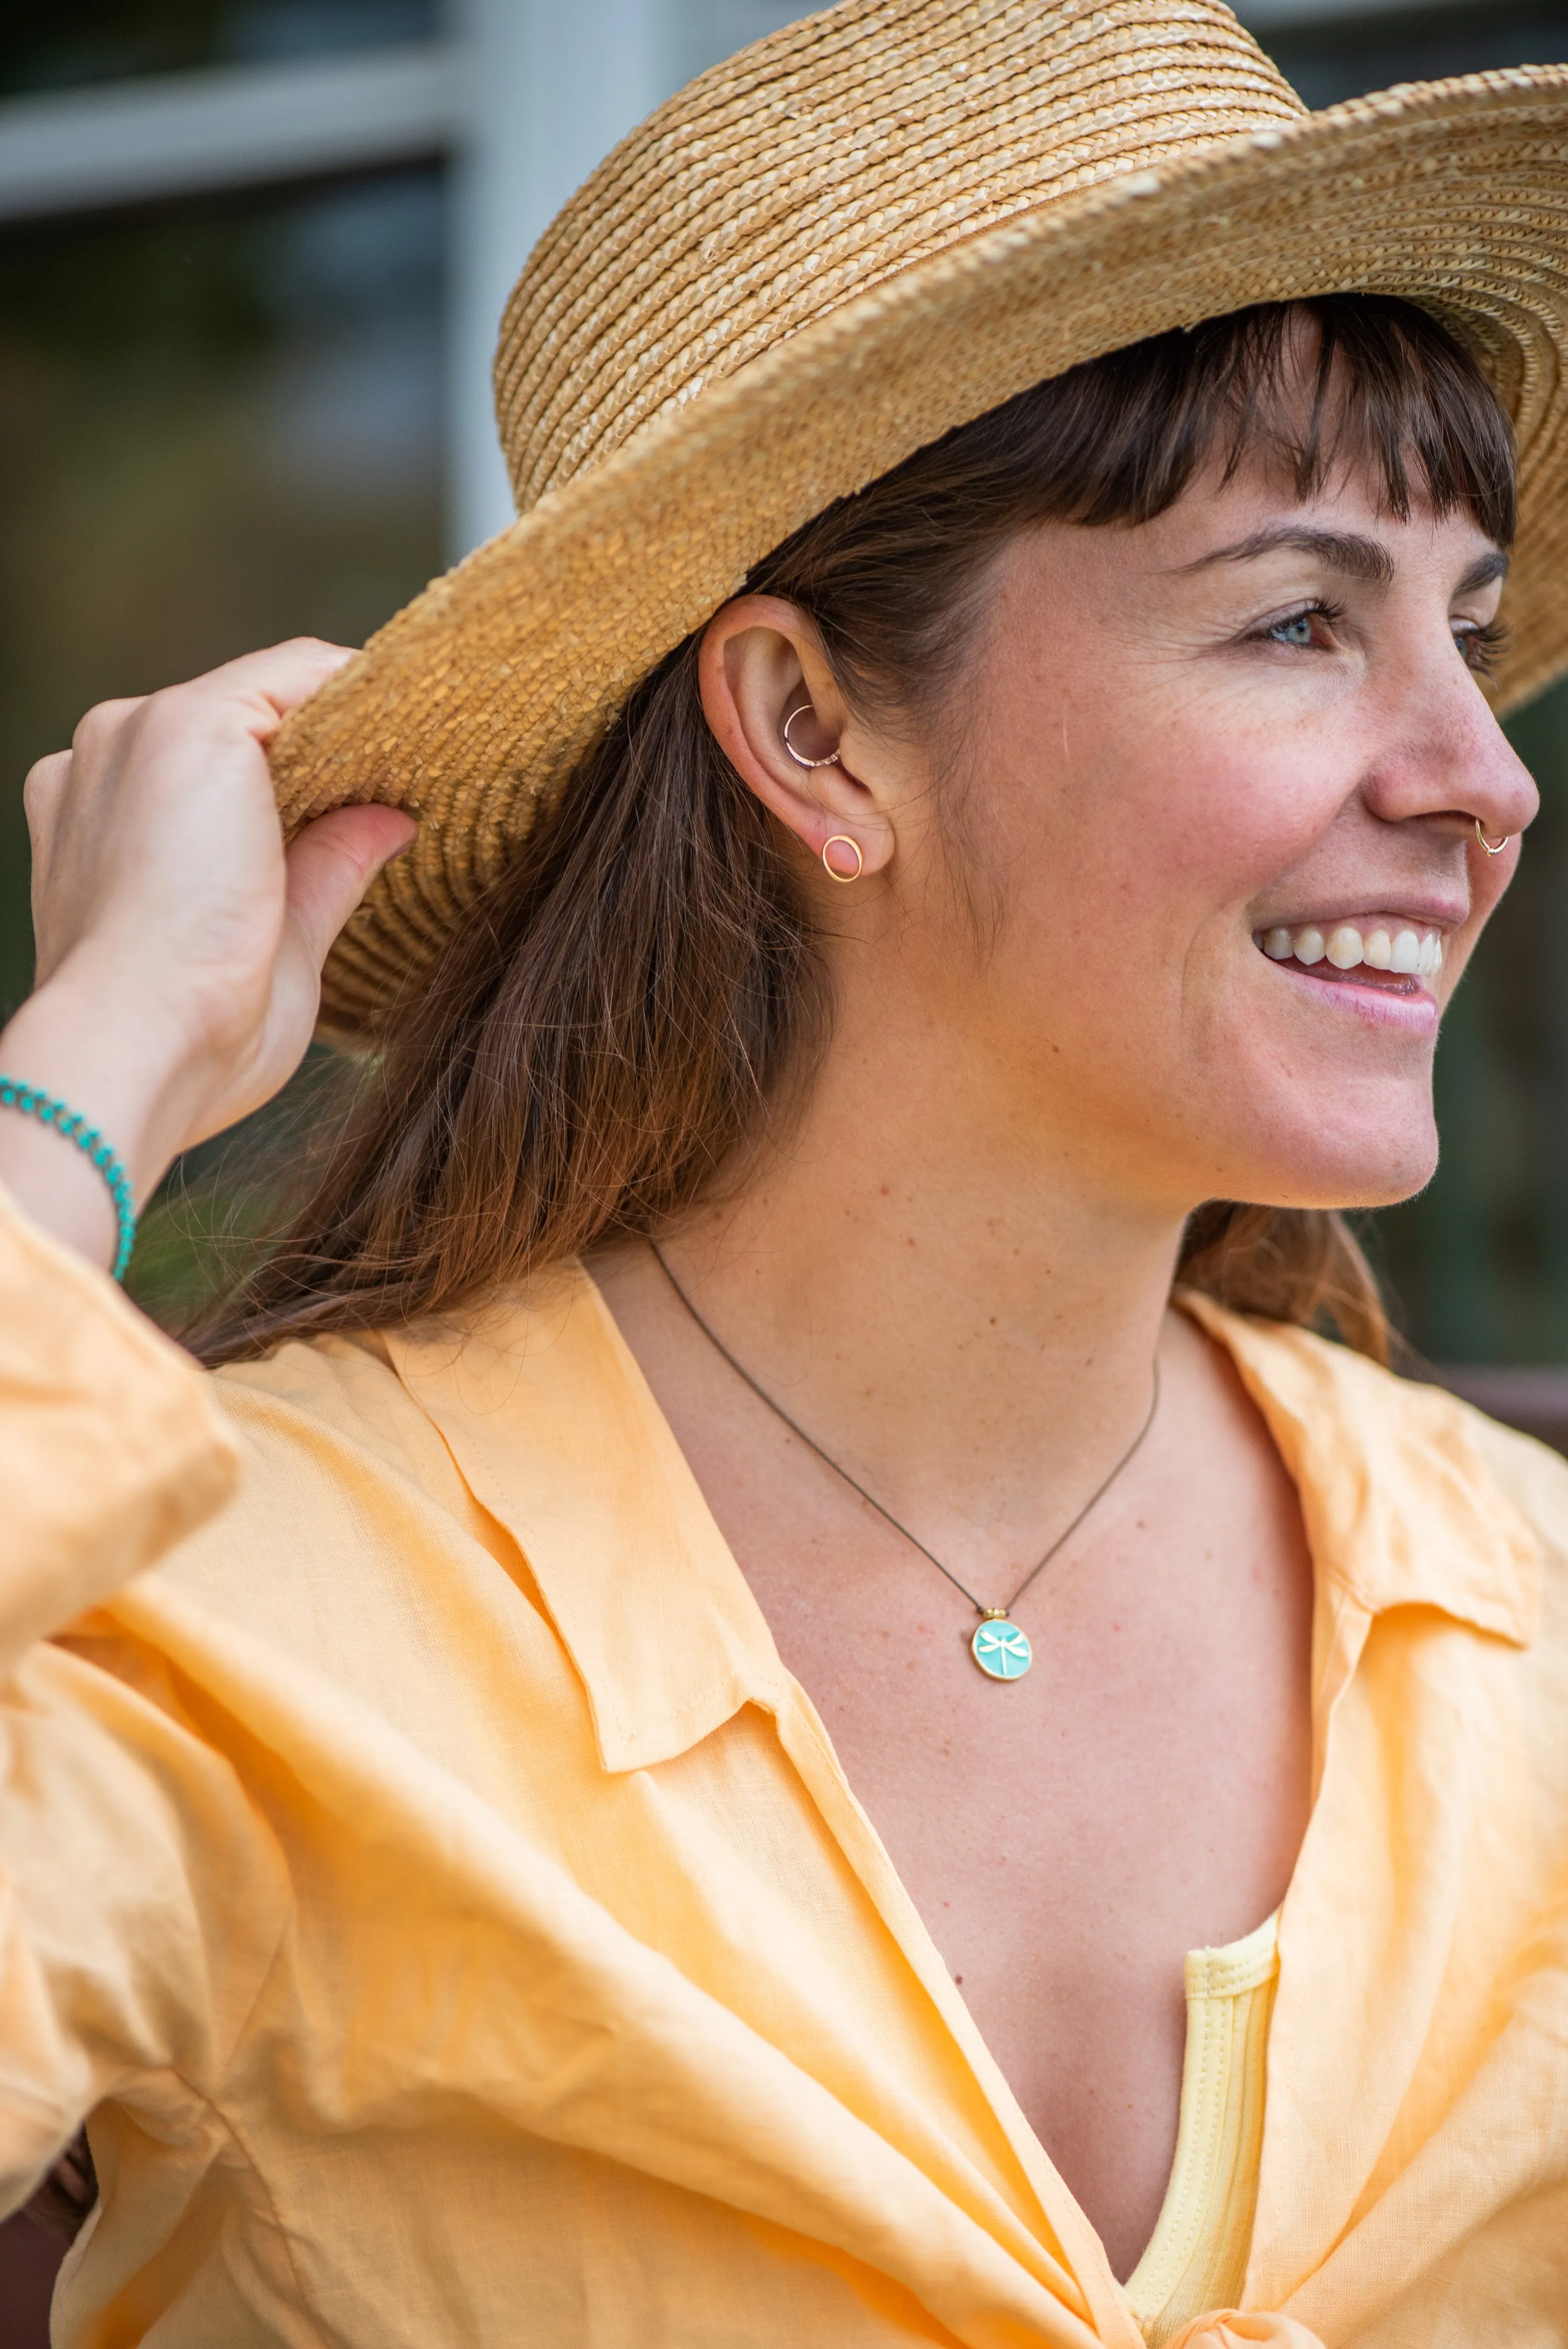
(1068, 1836)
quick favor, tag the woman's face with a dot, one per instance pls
(1223, 770)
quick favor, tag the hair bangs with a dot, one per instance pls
(1343, 383)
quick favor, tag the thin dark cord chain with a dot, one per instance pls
(716, 1343)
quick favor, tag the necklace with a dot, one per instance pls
(1000, 1646)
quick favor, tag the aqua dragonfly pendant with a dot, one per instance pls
(1001, 1652)
(1000, 1649)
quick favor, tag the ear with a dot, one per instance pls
(762, 666)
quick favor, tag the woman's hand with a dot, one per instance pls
(179, 946)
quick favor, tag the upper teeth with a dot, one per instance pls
(1420, 953)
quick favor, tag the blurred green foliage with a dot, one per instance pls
(216, 430)
(112, 40)
(102, 40)
(214, 1211)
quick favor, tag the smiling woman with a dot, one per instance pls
(905, 589)
(935, 885)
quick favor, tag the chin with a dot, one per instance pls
(1345, 1170)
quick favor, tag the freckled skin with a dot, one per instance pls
(954, 1270)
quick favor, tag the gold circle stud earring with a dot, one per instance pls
(842, 840)
(800, 758)
(1486, 843)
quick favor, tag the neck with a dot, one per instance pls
(939, 1296)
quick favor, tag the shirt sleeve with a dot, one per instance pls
(111, 1447)
(137, 1892)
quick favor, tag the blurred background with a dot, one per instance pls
(252, 256)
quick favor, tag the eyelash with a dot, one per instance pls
(1479, 647)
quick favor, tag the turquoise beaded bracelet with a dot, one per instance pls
(33, 1103)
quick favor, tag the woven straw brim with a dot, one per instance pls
(474, 703)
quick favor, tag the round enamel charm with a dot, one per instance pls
(1001, 1652)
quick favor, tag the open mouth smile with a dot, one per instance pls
(1396, 957)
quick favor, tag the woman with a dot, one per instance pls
(780, 1743)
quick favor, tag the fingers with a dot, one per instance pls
(278, 679)
(333, 863)
(41, 796)
(48, 779)
(104, 720)
(264, 686)
(250, 696)
(175, 937)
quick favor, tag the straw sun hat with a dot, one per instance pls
(823, 254)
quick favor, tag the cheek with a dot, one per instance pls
(1153, 841)
(1138, 1003)
(1132, 809)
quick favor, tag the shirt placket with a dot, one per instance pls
(1075, 2259)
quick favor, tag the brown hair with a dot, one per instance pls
(625, 1012)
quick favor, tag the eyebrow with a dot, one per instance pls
(1364, 559)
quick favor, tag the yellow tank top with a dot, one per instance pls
(1197, 2256)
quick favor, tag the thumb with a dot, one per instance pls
(332, 864)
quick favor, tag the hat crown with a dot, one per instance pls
(831, 155)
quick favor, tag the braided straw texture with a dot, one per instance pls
(830, 250)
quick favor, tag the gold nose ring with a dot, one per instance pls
(1486, 843)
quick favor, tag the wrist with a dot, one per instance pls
(112, 1054)
(54, 1116)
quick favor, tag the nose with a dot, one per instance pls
(1448, 760)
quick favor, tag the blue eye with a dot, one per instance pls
(1294, 631)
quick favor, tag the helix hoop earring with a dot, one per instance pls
(800, 759)
(1486, 843)
(842, 840)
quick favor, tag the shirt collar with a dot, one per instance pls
(1400, 1507)
(555, 1431)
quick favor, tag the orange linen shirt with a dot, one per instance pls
(462, 1930)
